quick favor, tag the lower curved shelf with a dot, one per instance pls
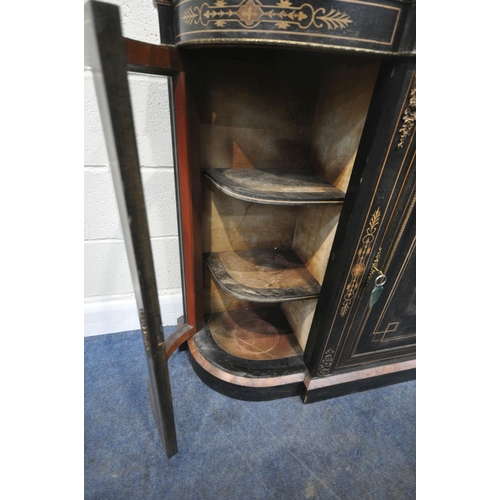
(245, 379)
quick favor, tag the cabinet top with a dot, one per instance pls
(374, 26)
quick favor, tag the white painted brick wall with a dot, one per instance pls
(109, 301)
(139, 19)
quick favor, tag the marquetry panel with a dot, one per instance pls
(371, 25)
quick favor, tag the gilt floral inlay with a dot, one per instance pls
(409, 117)
(356, 272)
(145, 331)
(251, 13)
(326, 364)
(374, 264)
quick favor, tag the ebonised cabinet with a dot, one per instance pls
(294, 130)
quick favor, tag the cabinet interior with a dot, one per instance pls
(283, 130)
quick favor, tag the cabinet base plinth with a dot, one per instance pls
(342, 384)
(259, 381)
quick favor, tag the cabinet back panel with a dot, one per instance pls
(313, 237)
(281, 114)
(255, 114)
(312, 241)
(232, 224)
(299, 314)
(343, 99)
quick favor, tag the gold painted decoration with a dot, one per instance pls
(389, 334)
(402, 228)
(252, 13)
(326, 364)
(363, 254)
(374, 264)
(145, 332)
(409, 117)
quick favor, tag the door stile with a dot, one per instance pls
(189, 204)
(165, 60)
(106, 54)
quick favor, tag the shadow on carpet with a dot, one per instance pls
(356, 447)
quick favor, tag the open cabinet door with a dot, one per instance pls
(110, 55)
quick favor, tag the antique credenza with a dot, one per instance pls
(294, 136)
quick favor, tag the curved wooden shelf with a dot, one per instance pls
(250, 380)
(257, 334)
(263, 275)
(275, 186)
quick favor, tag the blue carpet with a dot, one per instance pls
(356, 447)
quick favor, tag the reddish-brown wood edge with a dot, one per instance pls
(358, 375)
(189, 221)
(238, 380)
(160, 57)
(319, 389)
(152, 56)
(177, 338)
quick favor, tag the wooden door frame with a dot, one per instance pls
(165, 60)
